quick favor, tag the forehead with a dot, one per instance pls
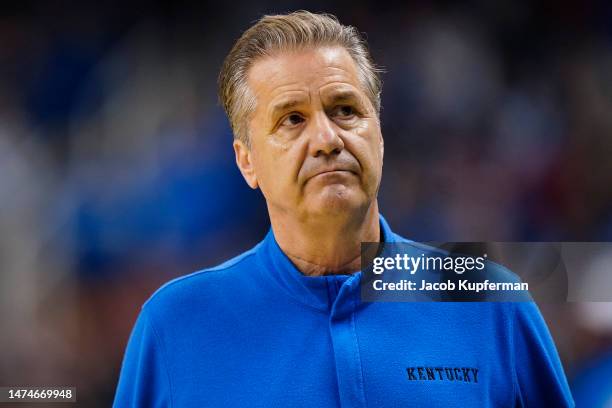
(302, 71)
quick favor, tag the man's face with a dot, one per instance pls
(316, 145)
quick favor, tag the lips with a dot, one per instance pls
(343, 164)
(333, 171)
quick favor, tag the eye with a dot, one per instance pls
(343, 112)
(292, 120)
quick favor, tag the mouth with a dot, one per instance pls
(333, 173)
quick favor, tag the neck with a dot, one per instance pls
(326, 246)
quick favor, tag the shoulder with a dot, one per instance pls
(203, 285)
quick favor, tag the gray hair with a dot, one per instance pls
(294, 31)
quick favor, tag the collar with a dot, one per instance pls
(329, 293)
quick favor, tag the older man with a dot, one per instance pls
(282, 325)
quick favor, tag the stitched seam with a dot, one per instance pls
(512, 352)
(182, 279)
(300, 303)
(357, 355)
(163, 355)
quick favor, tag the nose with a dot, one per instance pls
(324, 139)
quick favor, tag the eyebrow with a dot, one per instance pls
(284, 106)
(345, 95)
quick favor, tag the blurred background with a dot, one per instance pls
(117, 172)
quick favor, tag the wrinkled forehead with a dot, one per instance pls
(310, 70)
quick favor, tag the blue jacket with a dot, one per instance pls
(255, 332)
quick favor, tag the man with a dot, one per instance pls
(282, 325)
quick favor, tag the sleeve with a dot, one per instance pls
(540, 379)
(144, 379)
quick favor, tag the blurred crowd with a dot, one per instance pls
(117, 172)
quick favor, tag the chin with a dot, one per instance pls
(335, 200)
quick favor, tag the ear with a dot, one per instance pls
(244, 161)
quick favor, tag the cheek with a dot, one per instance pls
(263, 163)
(368, 148)
(277, 166)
